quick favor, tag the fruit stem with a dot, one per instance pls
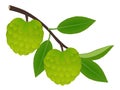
(26, 17)
(16, 9)
(61, 47)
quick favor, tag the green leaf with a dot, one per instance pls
(40, 55)
(93, 71)
(75, 24)
(96, 54)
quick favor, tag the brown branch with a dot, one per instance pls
(16, 9)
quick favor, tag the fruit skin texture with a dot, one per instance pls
(62, 67)
(24, 37)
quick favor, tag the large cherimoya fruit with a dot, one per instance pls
(24, 37)
(62, 67)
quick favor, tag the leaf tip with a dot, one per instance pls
(111, 46)
(36, 75)
(93, 20)
(105, 80)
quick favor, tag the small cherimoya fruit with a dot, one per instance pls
(24, 37)
(62, 67)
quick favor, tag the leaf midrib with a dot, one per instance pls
(91, 70)
(42, 57)
(67, 26)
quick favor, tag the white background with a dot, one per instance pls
(16, 72)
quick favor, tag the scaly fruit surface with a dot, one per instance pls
(24, 37)
(62, 67)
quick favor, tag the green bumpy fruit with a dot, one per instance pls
(24, 37)
(62, 67)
